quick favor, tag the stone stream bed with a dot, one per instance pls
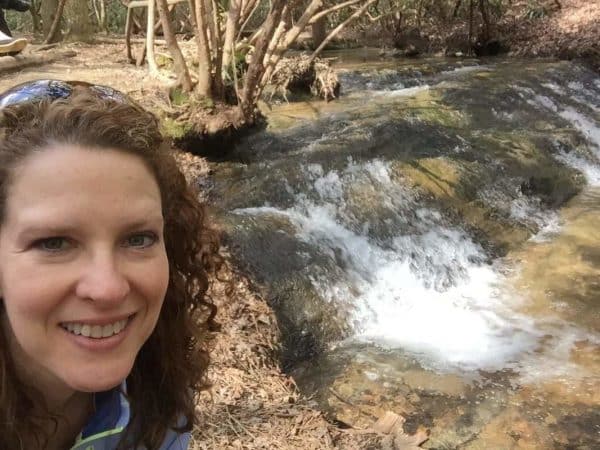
(430, 245)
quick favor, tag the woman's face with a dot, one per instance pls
(83, 266)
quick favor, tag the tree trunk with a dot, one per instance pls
(204, 86)
(470, 25)
(456, 8)
(36, 19)
(77, 14)
(486, 21)
(419, 13)
(100, 12)
(256, 67)
(233, 18)
(152, 66)
(181, 68)
(50, 12)
(319, 31)
(54, 33)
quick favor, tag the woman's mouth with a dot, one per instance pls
(96, 331)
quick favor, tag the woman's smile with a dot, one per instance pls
(95, 330)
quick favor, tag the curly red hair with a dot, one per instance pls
(171, 366)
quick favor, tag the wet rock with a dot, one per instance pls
(411, 43)
(491, 47)
(553, 190)
(308, 323)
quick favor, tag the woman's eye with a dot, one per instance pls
(52, 244)
(141, 240)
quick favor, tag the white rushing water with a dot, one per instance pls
(586, 124)
(426, 286)
(429, 292)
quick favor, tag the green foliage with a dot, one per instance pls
(18, 21)
(175, 129)
(179, 97)
(535, 11)
(116, 14)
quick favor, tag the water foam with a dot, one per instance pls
(429, 292)
(581, 122)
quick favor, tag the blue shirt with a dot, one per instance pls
(106, 428)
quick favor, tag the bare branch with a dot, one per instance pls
(152, 66)
(295, 31)
(379, 17)
(231, 31)
(328, 11)
(54, 27)
(340, 27)
(256, 68)
(248, 9)
(181, 68)
(247, 16)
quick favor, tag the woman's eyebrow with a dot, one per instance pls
(36, 230)
(152, 220)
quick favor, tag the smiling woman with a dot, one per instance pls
(104, 256)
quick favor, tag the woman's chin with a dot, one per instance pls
(102, 379)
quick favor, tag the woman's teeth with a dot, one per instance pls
(95, 331)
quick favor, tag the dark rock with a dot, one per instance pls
(411, 43)
(491, 47)
(553, 188)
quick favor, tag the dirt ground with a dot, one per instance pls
(571, 32)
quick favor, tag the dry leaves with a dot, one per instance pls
(252, 405)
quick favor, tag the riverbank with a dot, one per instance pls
(526, 29)
(569, 32)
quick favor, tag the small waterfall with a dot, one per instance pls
(428, 290)
(417, 277)
(580, 107)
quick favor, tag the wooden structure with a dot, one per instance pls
(151, 28)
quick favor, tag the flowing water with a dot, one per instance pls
(431, 244)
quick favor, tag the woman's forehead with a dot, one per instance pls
(67, 178)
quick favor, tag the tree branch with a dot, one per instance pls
(325, 12)
(339, 28)
(231, 31)
(181, 67)
(54, 28)
(152, 66)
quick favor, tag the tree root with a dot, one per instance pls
(299, 74)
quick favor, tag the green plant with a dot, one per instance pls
(18, 21)
(535, 11)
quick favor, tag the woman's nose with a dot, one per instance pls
(103, 281)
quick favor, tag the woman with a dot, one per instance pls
(104, 257)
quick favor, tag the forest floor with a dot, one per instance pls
(252, 403)
(571, 32)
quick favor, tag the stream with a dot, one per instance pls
(430, 242)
